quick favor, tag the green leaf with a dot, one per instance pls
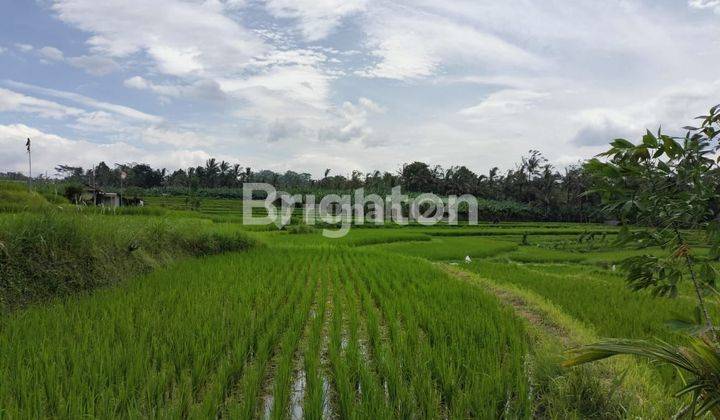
(664, 167)
(622, 144)
(650, 140)
(672, 148)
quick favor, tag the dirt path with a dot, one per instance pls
(522, 308)
(639, 394)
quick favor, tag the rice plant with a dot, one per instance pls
(217, 336)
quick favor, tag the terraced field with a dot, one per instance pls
(383, 323)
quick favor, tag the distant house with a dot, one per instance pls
(99, 197)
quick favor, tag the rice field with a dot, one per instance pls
(297, 325)
(321, 333)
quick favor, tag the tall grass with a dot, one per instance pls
(15, 197)
(49, 254)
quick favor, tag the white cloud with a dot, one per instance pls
(24, 47)
(158, 135)
(51, 53)
(200, 89)
(87, 101)
(100, 122)
(671, 107)
(713, 5)
(411, 44)
(352, 124)
(181, 37)
(11, 101)
(137, 82)
(316, 18)
(50, 150)
(94, 64)
(505, 102)
(234, 4)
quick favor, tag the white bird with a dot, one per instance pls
(467, 259)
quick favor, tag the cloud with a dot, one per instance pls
(410, 45)
(87, 101)
(24, 47)
(672, 108)
(603, 131)
(234, 4)
(505, 102)
(205, 89)
(353, 122)
(713, 5)
(316, 19)
(158, 135)
(50, 150)
(11, 101)
(181, 37)
(281, 91)
(51, 53)
(284, 128)
(206, 53)
(100, 122)
(94, 64)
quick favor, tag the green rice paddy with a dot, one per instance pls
(297, 325)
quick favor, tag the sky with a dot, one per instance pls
(308, 85)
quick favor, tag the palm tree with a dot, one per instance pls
(234, 175)
(211, 172)
(700, 358)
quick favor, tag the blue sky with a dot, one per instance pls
(346, 84)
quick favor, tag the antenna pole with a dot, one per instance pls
(94, 186)
(29, 165)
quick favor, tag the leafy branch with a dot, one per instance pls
(667, 189)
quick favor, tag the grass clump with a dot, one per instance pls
(49, 254)
(15, 197)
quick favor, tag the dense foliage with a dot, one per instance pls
(533, 190)
(666, 185)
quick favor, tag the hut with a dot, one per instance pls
(99, 197)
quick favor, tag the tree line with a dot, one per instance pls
(552, 194)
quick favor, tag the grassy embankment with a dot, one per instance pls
(48, 251)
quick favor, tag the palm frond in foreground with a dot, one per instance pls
(699, 358)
